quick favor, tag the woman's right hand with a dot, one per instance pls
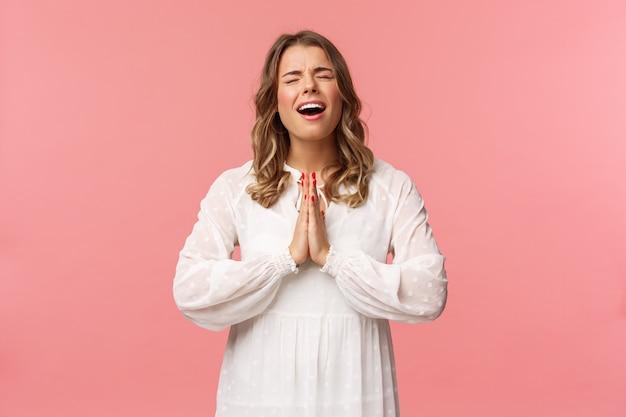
(309, 238)
(299, 247)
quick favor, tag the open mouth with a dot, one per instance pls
(310, 109)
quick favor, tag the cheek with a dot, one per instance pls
(337, 104)
(285, 98)
(334, 97)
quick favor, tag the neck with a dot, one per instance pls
(311, 156)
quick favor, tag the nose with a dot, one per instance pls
(309, 84)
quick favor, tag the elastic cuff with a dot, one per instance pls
(284, 263)
(333, 264)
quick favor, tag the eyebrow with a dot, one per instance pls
(298, 72)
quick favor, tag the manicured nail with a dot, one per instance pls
(302, 176)
(313, 175)
(305, 196)
(312, 198)
(314, 183)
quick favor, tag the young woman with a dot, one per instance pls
(315, 216)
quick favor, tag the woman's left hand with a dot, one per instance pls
(316, 230)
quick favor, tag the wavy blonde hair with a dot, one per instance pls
(270, 139)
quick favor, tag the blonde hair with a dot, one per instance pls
(270, 138)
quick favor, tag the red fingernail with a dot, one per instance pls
(314, 183)
(313, 175)
(312, 198)
(302, 176)
(305, 196)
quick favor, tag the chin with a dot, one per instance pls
(316, 137)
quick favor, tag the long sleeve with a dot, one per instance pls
(412, 289)
(210, 288)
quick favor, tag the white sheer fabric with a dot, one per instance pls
(308, 341)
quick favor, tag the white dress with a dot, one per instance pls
(308, 341)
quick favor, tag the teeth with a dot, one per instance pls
(310, 106)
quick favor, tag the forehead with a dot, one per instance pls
(299, 57)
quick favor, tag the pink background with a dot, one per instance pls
(510, 116)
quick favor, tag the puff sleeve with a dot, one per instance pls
(414, 287)
(211, 289)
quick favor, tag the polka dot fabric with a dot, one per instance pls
(308, 341)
